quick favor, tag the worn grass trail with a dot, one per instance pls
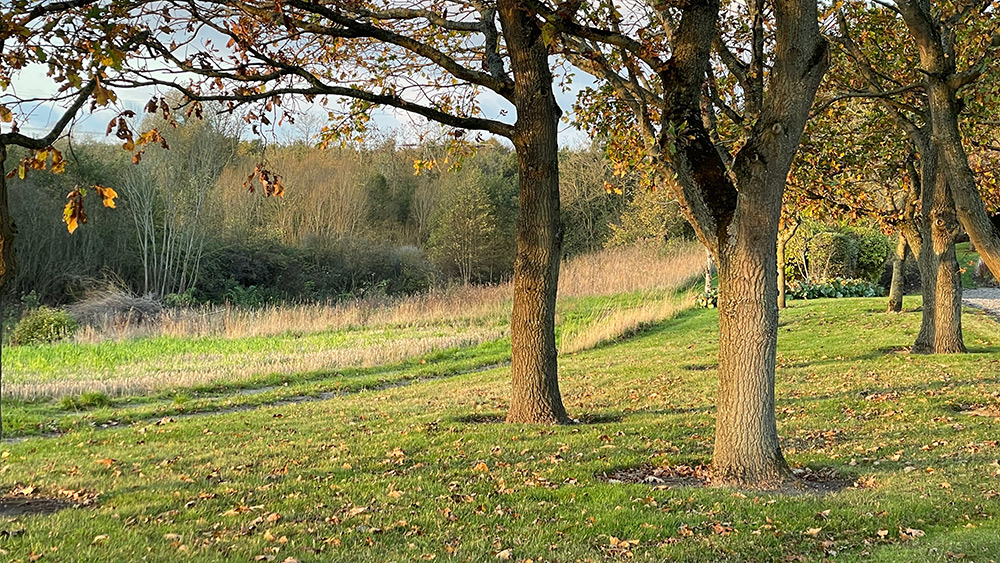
(424, 471)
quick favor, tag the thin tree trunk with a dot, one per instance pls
(535, 396)
(936, 43)
(708, 270)
(783, 238)
(7, 258)
(7, 232)
(896, 285)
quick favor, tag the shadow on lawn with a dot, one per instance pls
(497, 418)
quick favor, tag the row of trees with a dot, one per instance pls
(707, 99)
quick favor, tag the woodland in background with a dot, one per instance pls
(352, 221)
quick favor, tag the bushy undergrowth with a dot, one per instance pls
(835, 287)
(43, 324)
(809, 289)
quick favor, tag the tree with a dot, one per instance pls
(430, 60)
(722, 131)
(908, 95)
(957, 45)
(466, 237)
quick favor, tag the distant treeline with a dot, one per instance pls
(352, 220)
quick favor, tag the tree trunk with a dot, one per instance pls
(940, 279)
(896, 285)
(783, 238)
(7, 264)
(708, 271)
(7, 233)
(747, 451)
(535, 394)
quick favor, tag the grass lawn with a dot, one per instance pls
(426, 471)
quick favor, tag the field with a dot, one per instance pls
(410, 460)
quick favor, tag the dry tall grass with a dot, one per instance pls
(608, 272)
(467, 315)
(634, 268)
(618, 322)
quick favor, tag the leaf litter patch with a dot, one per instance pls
(807, 481)
(27, 500)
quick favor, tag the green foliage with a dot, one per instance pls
(708, 299)
(467, 241)
(833, 288)
(43, 325)
(874, 248)
(184, 299)
(88, 400)
(821, 251)
(650, 215)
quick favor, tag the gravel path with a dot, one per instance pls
(985, 298)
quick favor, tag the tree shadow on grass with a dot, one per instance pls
(499, 418)
(806, 481)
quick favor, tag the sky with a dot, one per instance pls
(33, 82)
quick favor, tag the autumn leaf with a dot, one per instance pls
(73, 214)
(106, 462)
(100, 539)
(6, 115)
(107, 195)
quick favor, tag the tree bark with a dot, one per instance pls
(896, 285)
(940, 279)
(747, 451)
(535, 396)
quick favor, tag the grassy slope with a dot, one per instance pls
(415, 471)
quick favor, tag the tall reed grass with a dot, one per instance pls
(448, 317)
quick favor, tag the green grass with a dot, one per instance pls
(413, 472)
(967, 263)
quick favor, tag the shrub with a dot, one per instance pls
(834, 288)
(708, 299)
(833, 254)
(41, 325)
(115, 306)
(874, 248)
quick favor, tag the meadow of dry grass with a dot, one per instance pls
(185, 347)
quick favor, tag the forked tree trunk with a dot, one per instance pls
(898, 278)
(535, 396)
(747, 451)
(936, 43)
(940, 279)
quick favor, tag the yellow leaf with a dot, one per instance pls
(69, 217)
(108, 196)
(100, 539)
(6, 115)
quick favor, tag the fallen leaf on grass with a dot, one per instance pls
(106, 462)
(100, 539)
(505, 553)
(813, 532)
